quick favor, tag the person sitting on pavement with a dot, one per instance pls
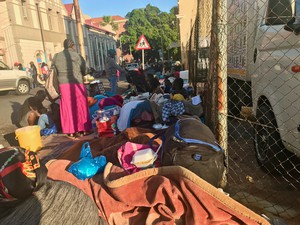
(45, 122)
(27, 115)
(154, 84)
(178, 93)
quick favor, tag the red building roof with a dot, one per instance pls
(69, 8)
(115, 18)
(89, 22)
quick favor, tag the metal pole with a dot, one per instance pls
(121, 51)
(222, 72)
(210, 109)
(162, 48)
(41, 30)
(79, 28)
(222, 77)
(121, 44)
(143, 59)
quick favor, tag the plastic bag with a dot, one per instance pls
(87, 166)
(48, 131)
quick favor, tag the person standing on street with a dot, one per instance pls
(45, 70)
(111, 68)
(74, 111)
(34, 74)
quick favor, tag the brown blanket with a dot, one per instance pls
(165, 195)
(109, 146)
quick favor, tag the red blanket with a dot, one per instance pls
(165, 195)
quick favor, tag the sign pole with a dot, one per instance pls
(142, 44)
(143, 61)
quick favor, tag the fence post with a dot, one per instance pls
(221, 67)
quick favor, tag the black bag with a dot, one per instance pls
(21, 173)
(191, 144)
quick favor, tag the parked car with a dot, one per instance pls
(131, 66)
(12, 79)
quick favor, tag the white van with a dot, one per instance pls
(272, 67)
(276, 82)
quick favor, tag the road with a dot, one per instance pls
(10, 105)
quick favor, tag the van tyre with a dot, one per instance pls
(23, 88)
(270, 152)
(234, 104)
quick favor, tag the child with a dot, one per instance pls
(27, 115)
(45, 122)
(178, 92)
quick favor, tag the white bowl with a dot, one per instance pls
(157, 126)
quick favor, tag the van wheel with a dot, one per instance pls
(23, 87)
(268, 145)
(233, 100)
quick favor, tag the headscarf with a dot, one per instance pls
(68, 43)
(111, 53)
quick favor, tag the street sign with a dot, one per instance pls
(142, 44)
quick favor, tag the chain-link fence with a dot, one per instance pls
(244, 59)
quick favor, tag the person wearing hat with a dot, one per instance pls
(74, 110)
(111, 68)
(177, 69)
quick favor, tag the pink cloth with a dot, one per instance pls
(74, 110)
(114, 100)
(126, 152)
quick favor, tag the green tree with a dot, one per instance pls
(159, 28)
(108, 20)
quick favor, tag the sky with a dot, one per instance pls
(100, 8)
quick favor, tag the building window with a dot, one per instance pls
(24, 10)
(49, 19)
(58, 21)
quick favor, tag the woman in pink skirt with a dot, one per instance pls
(74, 111)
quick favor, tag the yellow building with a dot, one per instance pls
(31, 30)
(194, 16)
(34, 30)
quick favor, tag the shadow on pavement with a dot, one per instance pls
(11, 139)
(16, 106)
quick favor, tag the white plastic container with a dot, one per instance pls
(144, 158)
